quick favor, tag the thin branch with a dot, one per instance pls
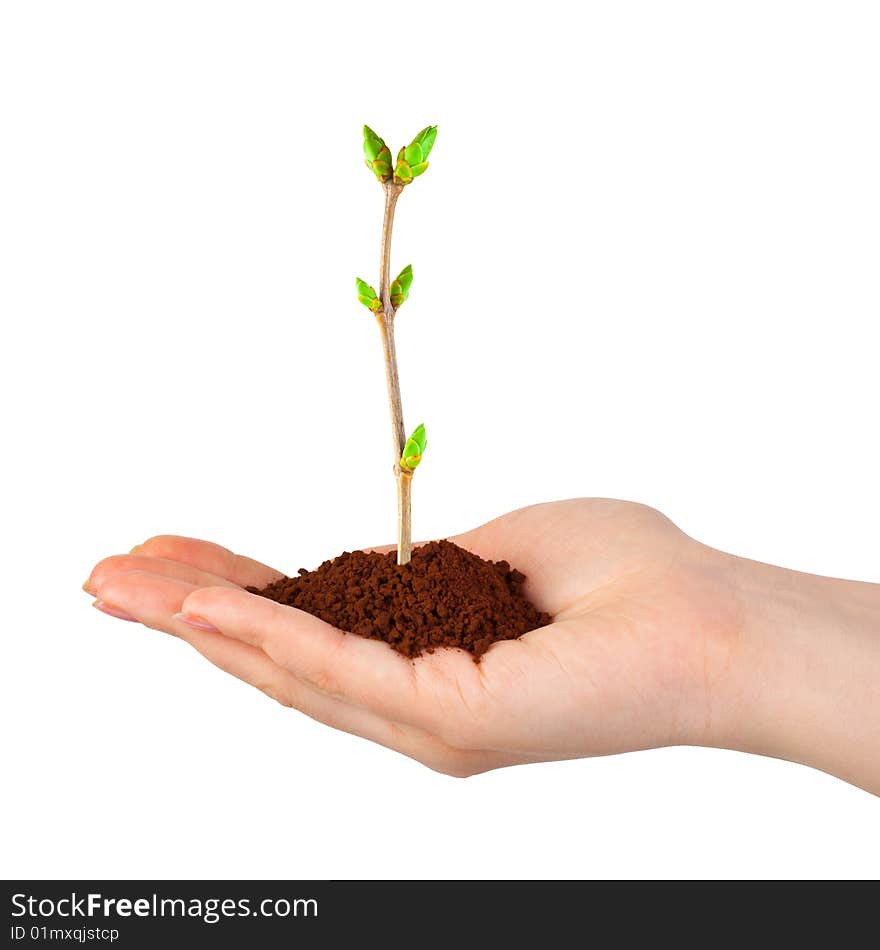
(392, 379)
(392, 193)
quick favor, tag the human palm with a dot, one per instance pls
(637, 632)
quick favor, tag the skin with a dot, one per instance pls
(657, 640)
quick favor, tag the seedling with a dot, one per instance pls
(412, 161)
(476, 602)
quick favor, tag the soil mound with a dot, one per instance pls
(445, 597)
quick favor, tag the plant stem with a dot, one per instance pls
(398, 432)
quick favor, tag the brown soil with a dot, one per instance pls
(445, 597)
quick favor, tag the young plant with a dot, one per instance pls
(394, 176)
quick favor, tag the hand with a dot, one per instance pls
(655, 641)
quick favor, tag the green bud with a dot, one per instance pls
(412, 160)
(406, 277)
(420, 438)
(414, 450)
(399, 289)
(377, 155)
(367, 296)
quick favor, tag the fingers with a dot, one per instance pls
(156, 600)
(209, 557)
(361, 671)
(150, 598)
(126, 563)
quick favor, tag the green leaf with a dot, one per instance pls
(413, 154)
(420, 439)
(419, 169)
(373, 144)
(382, 169)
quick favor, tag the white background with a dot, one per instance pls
(649, 234)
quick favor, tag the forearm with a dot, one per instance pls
(801, 675)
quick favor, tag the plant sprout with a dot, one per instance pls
(412, 161)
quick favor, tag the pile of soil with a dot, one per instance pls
(444, 597)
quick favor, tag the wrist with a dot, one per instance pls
(797, 673)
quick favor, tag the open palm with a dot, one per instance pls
(625, 664)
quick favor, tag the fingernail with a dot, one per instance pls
(135, 549)
(87, 586)
(113, 611)
(196, 622)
